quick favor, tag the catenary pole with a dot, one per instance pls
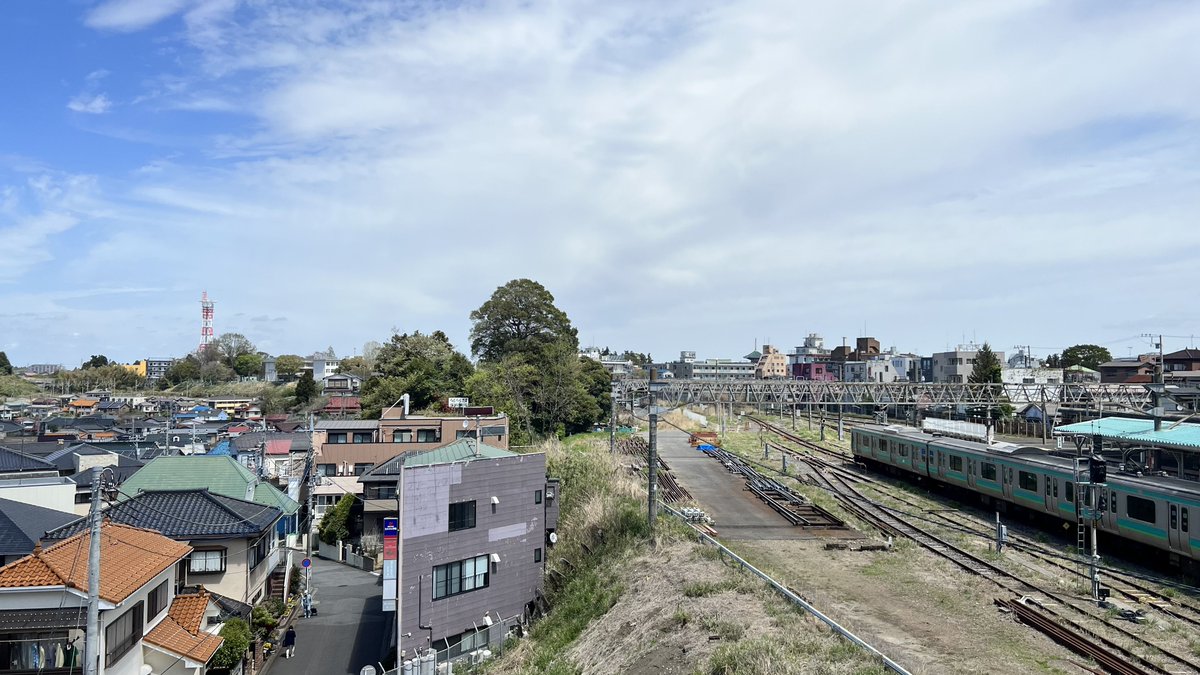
(91, 645)
(652, 490)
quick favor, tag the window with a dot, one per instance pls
(1183, 524)
(157, 601)
(1069, 493)
(537, 555)
(460, 577)
(384, 492)
(1027, 481)
(362, 467)
(1174, 516)
(955, 463)
(987, 470)
(1113, 502)
(363, 437)
(537, 496)
(402, 436)
(429, 435)
(259, 550)
(207, 561)
(122, 635)
(336, 438)
(327, 469)
(1056, 488)
(462, 516)
(1140, 509)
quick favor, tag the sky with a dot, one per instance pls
(690, 175)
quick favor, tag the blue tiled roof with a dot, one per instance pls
(1128, 430)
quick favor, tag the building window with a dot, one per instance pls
(122, 635)
(157, 601)
(385, 492)
(402, 436)
(463, 576)
(1027, 481)
(429, 435)
(363, 437)
(259, 551)
(362, 467)
(537, 555)
(462, 516)
(537, 496)
(1140, 509)
(207, 561)
(336, 438)
(327, 469)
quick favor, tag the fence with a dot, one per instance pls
(466, 658)
(345, 554)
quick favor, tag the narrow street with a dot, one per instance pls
(349, 631)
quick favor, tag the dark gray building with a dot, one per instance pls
(475, 526)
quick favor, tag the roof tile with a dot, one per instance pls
(181, 631)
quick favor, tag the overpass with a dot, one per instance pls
(1107, 397)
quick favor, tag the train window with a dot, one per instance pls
(1174, 516)
(1069, 492)
(1102, 504)
(1047, 486)
(1027, 480)
(1140, 509)
(1112, 503)
(1183, 519)
(955, 463)
(1056, 488)
(987, 470)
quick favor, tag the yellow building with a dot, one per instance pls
(138, 367)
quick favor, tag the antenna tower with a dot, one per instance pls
(206, 322)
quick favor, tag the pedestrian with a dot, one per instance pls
(289, 642)
(306, 603)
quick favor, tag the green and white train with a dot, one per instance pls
(1151, 510)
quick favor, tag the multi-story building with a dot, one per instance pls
(352, 447)
(955, 367)
(772, 364)
(157, 367)
(689, 368)
(43, 368)
(613, 363)
(1031, 375)
(475, 526)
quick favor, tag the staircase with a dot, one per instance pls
(277, 583)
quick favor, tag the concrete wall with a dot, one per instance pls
(512, 531)
(58, 496)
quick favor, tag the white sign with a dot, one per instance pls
(459, 402)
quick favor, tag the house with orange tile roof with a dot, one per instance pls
(144, 623)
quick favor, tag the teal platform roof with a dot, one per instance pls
(1128, 430)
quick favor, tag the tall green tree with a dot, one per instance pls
(519, 318)
(247, 365)
(5, 367)
(230, 346)
(507, 385)
(216, 372)
(988, 368)
(97, 361)
(306, 387)
(186, 369)
(1088, 356)
(1054, 361)
(426, 367)
(287, 365)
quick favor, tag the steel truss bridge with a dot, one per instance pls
(1107, 397)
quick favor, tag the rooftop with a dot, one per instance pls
(185, 515)
(220, 474)
(347, 425)
(13, 461)
(22, 525)
(132, 558)
(182, 630)
(462, 450)
(1128, 430)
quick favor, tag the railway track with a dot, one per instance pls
(1068, 631)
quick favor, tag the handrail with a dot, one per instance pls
(787, 593)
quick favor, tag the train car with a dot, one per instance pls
(1151, 510)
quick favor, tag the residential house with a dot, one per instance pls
(340, 384)
(1184, 360)
(221, 475)
(1129, 370)
(22, 526)
(43, 600)
(812, 370)
(10, 429)
(475, 525)
(342, 406)
(955, 367)
(236, 544)
(83, 406)
(352, 447)
(1078, 374)
(32, 480)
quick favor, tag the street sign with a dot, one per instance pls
(458, 402)
(305, 563)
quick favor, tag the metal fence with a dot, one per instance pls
(466, 658)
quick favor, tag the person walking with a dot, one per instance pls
(289, 642)
(306, 603)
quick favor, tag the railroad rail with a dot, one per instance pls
(669, 490)
(794, 507)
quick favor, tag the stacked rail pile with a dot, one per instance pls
(669, 490)
(794, 507)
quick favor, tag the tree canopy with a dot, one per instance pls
(520, 317)
(426, 367)
(306, 387)
(229, 346)
(5, 367)
(988, 368)
(287, 365)
(247, 365)
(1088, 356)
(97, 361)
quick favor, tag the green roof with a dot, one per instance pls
(1129, 430)
(219, 474)
(462, 450)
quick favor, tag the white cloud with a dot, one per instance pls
(131, 15)
(763, 168)
(93, 104)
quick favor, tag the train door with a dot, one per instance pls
(1048, 492)
(1173, 526)
(970, 472)
(1108, 521)
(925, 453)
(1185, 539)
(1006, 474)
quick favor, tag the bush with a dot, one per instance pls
(263, 619)
(237, 640)
(335, 525)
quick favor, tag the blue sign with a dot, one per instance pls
(391, 527)
(306, 563)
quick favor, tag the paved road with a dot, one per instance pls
(349, 630)
(738, 513)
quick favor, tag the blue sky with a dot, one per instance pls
(682, 175)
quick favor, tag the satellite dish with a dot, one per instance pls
(553, 537)
(367, 670)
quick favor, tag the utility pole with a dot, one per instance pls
(1156, 391)
(312, 484)
(652, 488)
(612, 423)
(91, 650)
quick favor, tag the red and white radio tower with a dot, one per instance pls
(206, 322)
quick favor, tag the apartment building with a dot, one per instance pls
(352, 447)
(955, 367)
